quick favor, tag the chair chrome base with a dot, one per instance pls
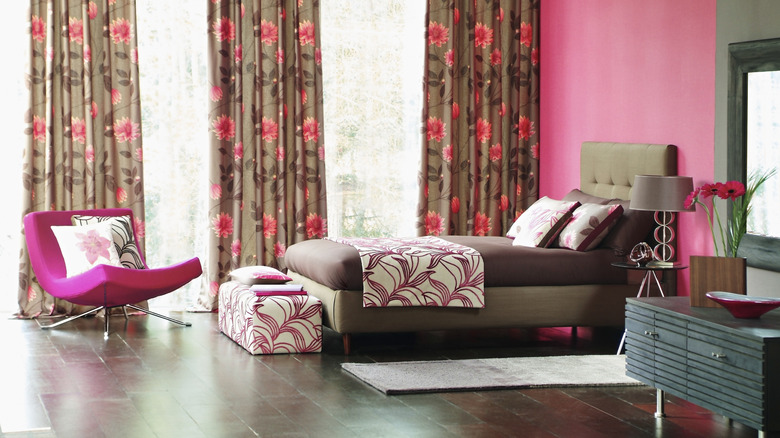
(108, 314)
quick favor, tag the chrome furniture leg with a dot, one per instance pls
(57, 324)
(167, 318)
(659, 404)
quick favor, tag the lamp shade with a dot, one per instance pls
(661, 193)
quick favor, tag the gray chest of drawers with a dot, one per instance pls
(706, 356)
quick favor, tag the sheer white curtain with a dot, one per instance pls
(12, 126)
(174, 111)
(372, 77)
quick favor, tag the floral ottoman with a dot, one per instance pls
(271, 324)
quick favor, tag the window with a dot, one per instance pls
(172, 58)
(763, 130)
(372, 71)
(12, 126)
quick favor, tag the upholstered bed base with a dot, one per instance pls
(528, 306)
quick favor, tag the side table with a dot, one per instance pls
(650, 274)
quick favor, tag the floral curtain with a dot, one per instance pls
(480, 160)
(84, 121)
(267, 171)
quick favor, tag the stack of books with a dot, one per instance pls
(264, 290)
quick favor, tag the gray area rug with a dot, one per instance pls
(484, 374)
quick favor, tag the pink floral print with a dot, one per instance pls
(224, 127)
(76, 30)
(224, 29)
(126, 130)
(483, 36)
(434, 225)
(121, 31)
(93, 245)
(38, 27)
(315, 226)
(436, 129)
(437, 33)
(223, 225)
(311, 129)
(269, 32)
(306, 32)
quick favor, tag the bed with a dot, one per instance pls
(523, 286)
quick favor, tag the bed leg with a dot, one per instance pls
(346, 338)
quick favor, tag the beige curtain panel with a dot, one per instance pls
(480, 160)
(84, 122)
(267, 169)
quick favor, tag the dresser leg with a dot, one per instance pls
(659, 404)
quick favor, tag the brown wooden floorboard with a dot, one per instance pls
(155, 379)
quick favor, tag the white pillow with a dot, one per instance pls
(123, 236)
(588, 226)
(540, 224)
(84, 247)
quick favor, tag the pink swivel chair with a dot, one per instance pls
(103, 286)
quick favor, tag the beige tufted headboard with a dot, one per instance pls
(607, 169)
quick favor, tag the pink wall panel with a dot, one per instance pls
(629, 71)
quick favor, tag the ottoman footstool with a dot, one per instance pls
(270, 324)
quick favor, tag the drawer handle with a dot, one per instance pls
(649, 333)
(719, 355)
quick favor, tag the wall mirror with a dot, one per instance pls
(754, 142)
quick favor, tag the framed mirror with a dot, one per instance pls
(753, 137)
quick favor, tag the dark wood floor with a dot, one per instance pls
(152, 378)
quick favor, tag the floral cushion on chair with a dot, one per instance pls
(123, 237)
(540, 224)
(588, 226)
(85, 247)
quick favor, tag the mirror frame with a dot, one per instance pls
(751, 56)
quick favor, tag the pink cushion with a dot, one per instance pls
(259, 275)
(540, 224)
(588, 226)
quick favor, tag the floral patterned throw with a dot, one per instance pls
(267, 168)
(480, 157)
(423, 271)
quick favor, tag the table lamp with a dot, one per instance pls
(665, 195)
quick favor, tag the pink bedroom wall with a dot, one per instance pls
(629, 71)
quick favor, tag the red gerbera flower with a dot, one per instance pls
(708, 190)
(731, 190)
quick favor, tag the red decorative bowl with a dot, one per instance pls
(744, 306)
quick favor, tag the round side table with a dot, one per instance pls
(650, 275)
